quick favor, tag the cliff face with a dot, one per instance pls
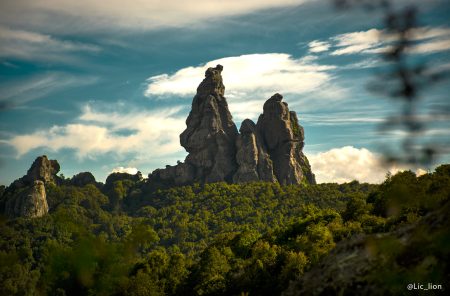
(270, 150)
(30, 202)
(26, 197)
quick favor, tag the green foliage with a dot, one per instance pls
(215, 239)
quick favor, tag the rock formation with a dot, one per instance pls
(271, 150)
(26, 197)
(113, 177)
(284, 139)
(83, 179)
(30, 202)
(254, 163)
(209, 137)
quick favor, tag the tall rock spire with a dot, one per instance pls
(284, 139)
(210, 133)
(209, 137)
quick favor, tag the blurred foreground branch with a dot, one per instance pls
(404, 81)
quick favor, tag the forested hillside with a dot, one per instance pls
(129, 237)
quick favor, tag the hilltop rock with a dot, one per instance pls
(83, 179)
(270, 151)
(44, 170)
(122, 176)
(284, 139)
(26, 197)
(180, 174)
(254, 163)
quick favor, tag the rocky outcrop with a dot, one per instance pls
(270, 151)
(83, 179)
(26, 197)
(284, 139)
(30, 202)
(122, 176)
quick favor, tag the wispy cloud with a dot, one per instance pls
(249, 80)
(91, 15)
(27, 45)
(318, 46)
(348, 163)
(19, 92)
(342, 118)
(357, 42)
(427, 40)
(98, 132)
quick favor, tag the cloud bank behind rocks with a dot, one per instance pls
(345, 164)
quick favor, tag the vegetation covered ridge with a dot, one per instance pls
(128, 238)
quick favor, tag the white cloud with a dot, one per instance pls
(142, 133)
(131, 171)
(348, 163)
(28, 45)
(318, 46)
(356, 42)
(421, 172)
(249, 80)
(432, 46)
(88, 15)
(377, 41)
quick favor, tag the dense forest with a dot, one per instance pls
(129, 237)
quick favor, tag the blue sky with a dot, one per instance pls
(103, 86)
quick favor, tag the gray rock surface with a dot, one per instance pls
(26, 197)
(209, 137)
(284, 139)
(43, 169)
(30, 202)
(254, 164)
